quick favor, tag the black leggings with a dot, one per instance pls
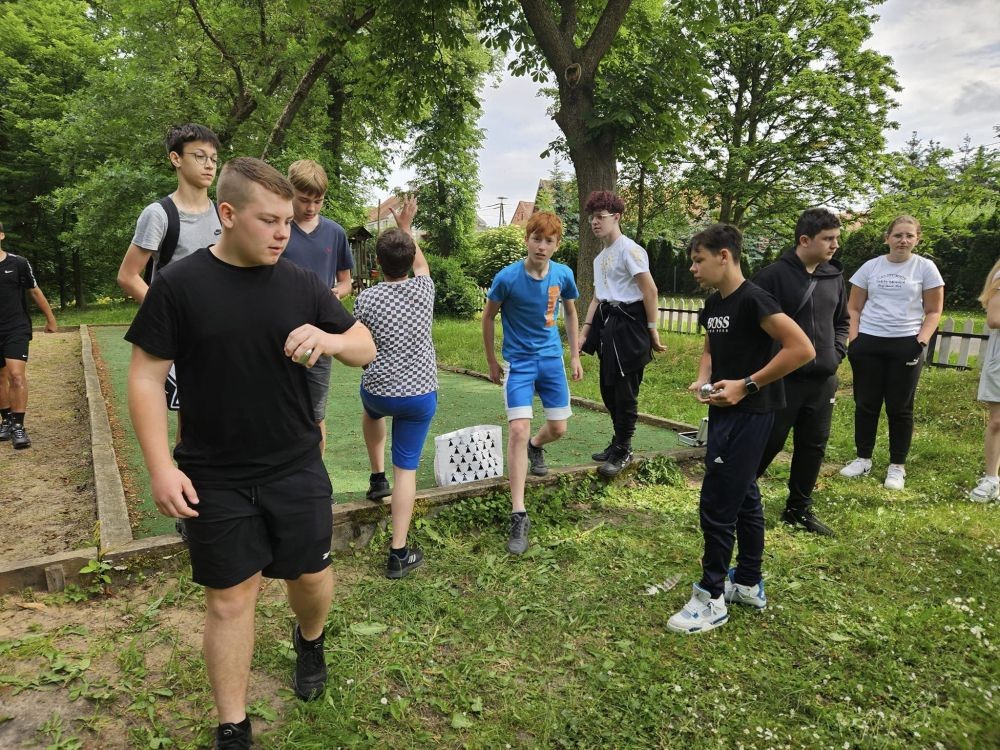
(886, 370)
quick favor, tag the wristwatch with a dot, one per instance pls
(751, 386)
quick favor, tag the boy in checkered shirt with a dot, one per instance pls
(402, 381)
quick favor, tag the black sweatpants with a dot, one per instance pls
(886, 370)
(808, 411)
(620, 394)
(730, 506)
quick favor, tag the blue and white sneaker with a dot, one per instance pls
(750, 596)
(701, 614)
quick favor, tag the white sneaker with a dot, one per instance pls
(750, 596)
(701, 614)
(859, 467)
(987, 490)
(895, 477)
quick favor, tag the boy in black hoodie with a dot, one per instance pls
(809, 286)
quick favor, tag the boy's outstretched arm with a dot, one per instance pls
(489, 339)
(43, 305)
(572, 331)
(404, 220)
(796, 350)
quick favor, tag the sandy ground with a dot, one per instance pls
(47, 492)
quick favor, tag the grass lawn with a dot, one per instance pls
(884, 637)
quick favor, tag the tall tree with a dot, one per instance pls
(797, 109)
(48, 48)
(607, 83)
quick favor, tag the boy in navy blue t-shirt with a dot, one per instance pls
(527, 295)
(742, 322)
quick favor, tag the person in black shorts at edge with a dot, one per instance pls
(239, 322)
(16, 277)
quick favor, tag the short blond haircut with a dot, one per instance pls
(308, 177)
(242, 172)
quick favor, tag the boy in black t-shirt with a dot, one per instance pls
(16, 276)
(239, 321)
(741, 321)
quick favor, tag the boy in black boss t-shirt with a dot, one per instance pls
(241, 323)
(742, 322)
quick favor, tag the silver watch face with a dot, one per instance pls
(752, 387)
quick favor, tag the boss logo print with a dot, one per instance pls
(717, 323)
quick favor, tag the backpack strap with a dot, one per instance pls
(169, 242)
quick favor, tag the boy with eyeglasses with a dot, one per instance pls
(193, 151)
(320, 245)
(620, 324)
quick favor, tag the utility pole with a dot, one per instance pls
(501, 198)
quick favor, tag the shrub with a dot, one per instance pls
(456, 294)
(495, 249)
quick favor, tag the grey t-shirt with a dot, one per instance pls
(197, 230)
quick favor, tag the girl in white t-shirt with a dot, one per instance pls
(895, 305)
(989, 389)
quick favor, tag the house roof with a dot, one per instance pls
(381, 212)
(522, 213)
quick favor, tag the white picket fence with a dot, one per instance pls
(679, 315)
(955, 343)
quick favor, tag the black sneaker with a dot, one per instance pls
(517, 541)
(377, 489)
(19, 437)
(602, 456)
(310, 667)
(6, 427)
(536, 459)
(398, 567)
(234, 736)
(806, 520)
(618, 458)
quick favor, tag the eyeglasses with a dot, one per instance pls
(203, 159)
(601, 217)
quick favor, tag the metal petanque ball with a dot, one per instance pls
(706, 390)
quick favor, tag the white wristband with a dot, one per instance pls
(651, 326)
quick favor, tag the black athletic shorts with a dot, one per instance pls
(283, 528)
(13, 346)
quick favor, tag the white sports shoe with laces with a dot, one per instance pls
(987, 490)
(859, 467)
(895, 477)
(701, 614)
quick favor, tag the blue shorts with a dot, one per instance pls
(411, 421)
(546, 376)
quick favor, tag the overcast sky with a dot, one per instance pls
(946, 55)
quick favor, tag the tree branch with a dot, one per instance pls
(226, 54)
(603, 35)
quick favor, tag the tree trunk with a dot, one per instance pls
(78, 280)
(596, 169)
(640, 224)
(335, 128)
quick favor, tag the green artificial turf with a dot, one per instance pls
(463, 401)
